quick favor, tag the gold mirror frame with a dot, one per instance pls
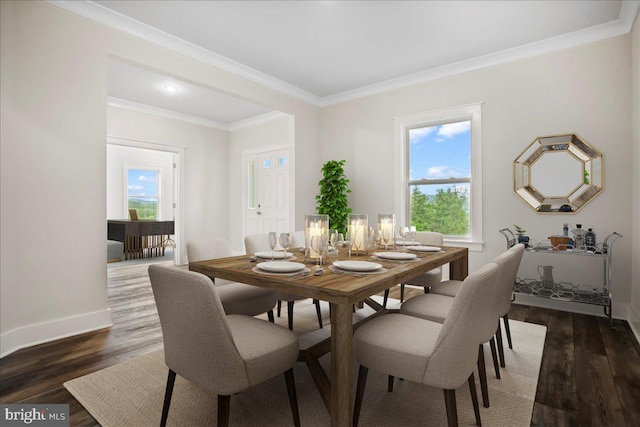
(580, 182)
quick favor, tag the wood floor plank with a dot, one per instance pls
(571, 390)
(545, 416)
(598, 402)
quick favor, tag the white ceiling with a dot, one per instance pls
(329, 51)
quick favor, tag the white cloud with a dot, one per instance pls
(452, 129)
(415, 135)
(442, 171)
(147, 178)
(135, 187)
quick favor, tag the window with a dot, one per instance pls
(143, 191)
(439, 172)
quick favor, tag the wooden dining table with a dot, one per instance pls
(342, 290)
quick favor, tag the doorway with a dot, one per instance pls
(124, 156)
(267, 201)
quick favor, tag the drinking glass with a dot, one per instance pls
(412, 233)
(273, 241)
(386, 235)
(349, 243)
(285, 242)
(333, 241)
(319, 244)
(404, 231)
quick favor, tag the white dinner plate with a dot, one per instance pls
(280, 266)
(405, 243)
(424, 248)
(357, 265)
(276, 255)
(395, 255)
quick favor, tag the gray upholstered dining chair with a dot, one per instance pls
(436, 354)
(223, 354)
(451, 287)
(237, 298)
(436, 307)
(428, 279)
(260, 243)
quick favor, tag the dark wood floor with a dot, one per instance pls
(590, 374)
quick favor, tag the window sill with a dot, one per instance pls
(472, 246)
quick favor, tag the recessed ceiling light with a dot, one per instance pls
(170, 89)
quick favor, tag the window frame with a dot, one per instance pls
(402, 125)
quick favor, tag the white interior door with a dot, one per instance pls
(268, 206)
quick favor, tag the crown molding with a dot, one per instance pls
(161, 112)
(252, 121)
(110, 18)
(125, 24)
(623, 25)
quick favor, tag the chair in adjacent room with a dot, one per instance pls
(428, 279)
(237, 298)
(436, 354)
(223, 354)
(260, 243)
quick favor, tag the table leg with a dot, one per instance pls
(341, 364)
(459, 268)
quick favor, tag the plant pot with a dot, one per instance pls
(524, 240)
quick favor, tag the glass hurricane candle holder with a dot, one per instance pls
(386, 225)
(315, 225)
(358, 229)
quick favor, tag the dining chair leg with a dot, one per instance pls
(452, 411)
(293, 397)
(279, 307)
(506, 328)
(270, 316)
(390, 383)
(318, 313)
(386, 297)
(500, 345)
(494, 356)
(171, 380)
(362, 381)
(474, 398)
(223, 410)
(401, 292)
(482, 372)
(290, 314)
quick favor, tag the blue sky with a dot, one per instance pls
(142, 183)
(441, 151)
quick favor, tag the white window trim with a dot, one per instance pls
(402, 125)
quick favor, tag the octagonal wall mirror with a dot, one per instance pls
(558, 174)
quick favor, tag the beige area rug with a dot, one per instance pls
(131, 393)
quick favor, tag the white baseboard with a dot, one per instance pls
(634, 322)
(39, 333)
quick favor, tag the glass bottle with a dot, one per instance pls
(590, 240)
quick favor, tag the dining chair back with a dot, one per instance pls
(219, 353)
(260, 243)
(237, 298)
(428, 279)
(436, 354)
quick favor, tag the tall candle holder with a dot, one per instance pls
(357, 230)
(386, 225)
(315, 225)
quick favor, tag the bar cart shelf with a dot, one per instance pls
(568, 291)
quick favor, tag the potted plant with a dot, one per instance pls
(521, 236)
(332, 199)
